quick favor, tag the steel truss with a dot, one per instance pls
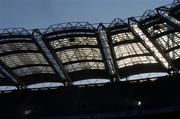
(71, 52)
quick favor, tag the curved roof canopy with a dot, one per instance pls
(72, 52)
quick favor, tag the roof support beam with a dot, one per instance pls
(51, 57)
(150, 38)
(138, 37)
(104, 59)
(163, 14)
(109, 53)
(11, 75)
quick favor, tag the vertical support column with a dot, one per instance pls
(108, 53)
(51, 57)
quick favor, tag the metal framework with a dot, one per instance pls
(71, 52)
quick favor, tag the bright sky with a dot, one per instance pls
(42, 13)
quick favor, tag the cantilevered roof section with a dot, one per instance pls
(164, 34)
(131, 54)
(76, 46)
(20, 54)
(80, 53)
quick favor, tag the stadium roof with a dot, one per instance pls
(70, 52)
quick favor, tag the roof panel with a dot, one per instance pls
(79, 54)
(122, 37)
(34, 70)
(130, 49)
(84, 66)
(73, 41)
(84, 55)
(21, 59)
(136, 60)
(130, 53)
(17, 46)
